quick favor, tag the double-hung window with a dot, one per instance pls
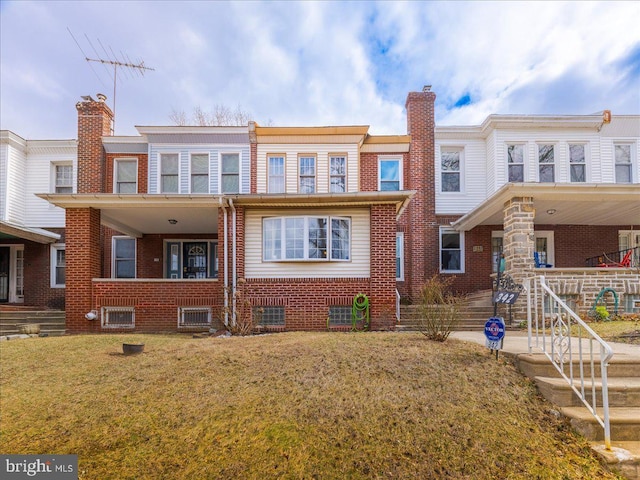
(577, 163)
(306, 238)
(124, 257)
(623, 163)
(450, 165)
(451, 251)
(337, 173)
(399, 256)
(307, 172)
(389, 174)
(126, 175)
(546, 163)
(515, 163)
(63, 178)
(275, 173)
(200, 173)
(58, 265)
(230, 176)
(169, 163)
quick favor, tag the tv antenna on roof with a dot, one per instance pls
(111, 59)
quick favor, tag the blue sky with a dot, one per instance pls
(316, 63)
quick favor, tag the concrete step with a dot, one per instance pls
(623, 458)
(624, 421)
(538, 365)
(623, 391)
(52, 322)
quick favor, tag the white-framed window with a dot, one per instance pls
(125, 174)
(169, 173)
(451, 251)
(306, 238)
(19, 272)
(497, 241)
(123, 257)
(450, 169)
(58, 265)
(389, 174)
(307, 173)
(399, 256)
(275, 173)
(577, 163)
(622, 155)
(229, 173)
(337, 173)
(199, 172)
(546, 163)
(63, 178)
(118, 317)
(194, 316)
(515, 163)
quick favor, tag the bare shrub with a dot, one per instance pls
(246, 319)
(439, 309)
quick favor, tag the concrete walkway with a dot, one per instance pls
(516, 342)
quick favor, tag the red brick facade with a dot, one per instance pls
(94, 122)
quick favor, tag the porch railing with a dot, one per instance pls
(608, 258)
(572, 347)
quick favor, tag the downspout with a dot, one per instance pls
(226, 265)
(233, 262)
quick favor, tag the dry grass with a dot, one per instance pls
(292, 405)
(627, 331)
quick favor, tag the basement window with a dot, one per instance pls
(118, 317)
(270, 316)
(340, 315)
(194, 316)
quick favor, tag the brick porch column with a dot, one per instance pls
(382, 299)
(83, 263)
(518, 245)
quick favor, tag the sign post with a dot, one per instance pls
(494, 330)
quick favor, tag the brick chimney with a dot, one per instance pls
(423, 246)
(95, 119)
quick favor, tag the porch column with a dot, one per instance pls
(518, 244)
(83, 264)
(382, 299)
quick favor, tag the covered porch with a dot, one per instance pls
(557, 229)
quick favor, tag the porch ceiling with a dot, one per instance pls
(571, 204)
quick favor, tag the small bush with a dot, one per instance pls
(439, 309)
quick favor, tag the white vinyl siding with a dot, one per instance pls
(473, 186)
(322, 154)
(357, 266)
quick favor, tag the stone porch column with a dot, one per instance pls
(518, 245)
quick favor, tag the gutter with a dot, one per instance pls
(233, 262)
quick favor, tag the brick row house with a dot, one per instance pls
(186, 228)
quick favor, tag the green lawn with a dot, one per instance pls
(290, 405)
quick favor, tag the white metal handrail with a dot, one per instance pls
(566, 339)
(397, 305)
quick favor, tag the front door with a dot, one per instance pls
(4, 274)
(194, 260)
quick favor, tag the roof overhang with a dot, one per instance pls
(37, 235)
(562, 204)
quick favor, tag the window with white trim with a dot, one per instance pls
(307, 173)
(199, 173)
(451, 251)
(169, 177)
(337, 173)
(400, 256)
(546, 163)
(63, 178)
(118, 317)
(126, 175)
(230, 173)
(124, 257)
(275, 173)
(515, 163)
(623, 163)
(577, 163)
(389, 174)
(194, 316)
(450, 168)
(58, 265)
(306, 238)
